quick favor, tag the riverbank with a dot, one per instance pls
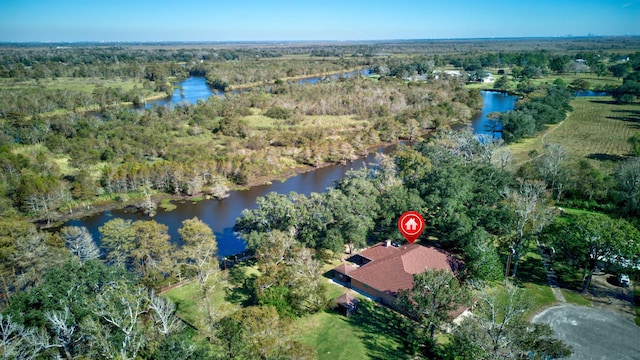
(134, 201)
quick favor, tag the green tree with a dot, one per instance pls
(634, 141)
(627, 178)
(435, 294)
(153, 256)
(502, 83)
(117, 237)
(590, 239)
(259, 333)
(619, 70)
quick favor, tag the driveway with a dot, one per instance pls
(593, 333)
(608, 295)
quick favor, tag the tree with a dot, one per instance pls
(291, 280)
(259, 333)
(579, 84)
(163, 313)
(199, 258)
(152, 257)
(600, 69)
(20, 342)
(80, 242)
(502, 83)
(557, 64)
(530, 214)
(628, 182)
(482, 259)
(499, 329)
(118, 239)
(435, 294)
(619, 70)
(590, 239)
(551, 168)
(634, 141)
(118, 331)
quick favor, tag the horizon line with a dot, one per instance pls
(304, 41)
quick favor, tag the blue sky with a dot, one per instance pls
(244, 20)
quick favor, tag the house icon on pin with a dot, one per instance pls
(411, 225)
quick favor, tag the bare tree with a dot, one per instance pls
(80, 242)
(163, 312)
(63, 330)
(120, 309)
(551, 169)
(503, 158)
(531, 213)
(20, 342)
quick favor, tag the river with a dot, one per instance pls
(221, 215)
(195, 88)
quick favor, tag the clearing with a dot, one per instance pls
(597, 129)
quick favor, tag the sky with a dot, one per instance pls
(289, 20)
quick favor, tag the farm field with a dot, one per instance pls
(597, 129)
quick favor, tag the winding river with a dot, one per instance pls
(221, 215)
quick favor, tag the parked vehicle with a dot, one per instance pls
(623, 280)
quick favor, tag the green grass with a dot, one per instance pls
(597, 129)
(186, 299)
(574, 297)
(167, 205)
(533, 277)
(374, 332)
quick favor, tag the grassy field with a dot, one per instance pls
(597, 129)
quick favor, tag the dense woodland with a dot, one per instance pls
(67, 295)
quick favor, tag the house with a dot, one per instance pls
(385, 268)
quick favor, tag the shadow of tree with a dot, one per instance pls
(382, 329)
(531, 269)
(606, 157)
(239, 292)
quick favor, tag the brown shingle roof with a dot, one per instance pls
(392, 268)
(346, 300)
(345, 269)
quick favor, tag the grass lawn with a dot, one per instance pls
(374, 332)
(597, 129)
(574, 297)
(185, 297)
(533, 277)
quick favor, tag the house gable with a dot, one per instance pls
(391, 268)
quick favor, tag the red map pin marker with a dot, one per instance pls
(411, 225)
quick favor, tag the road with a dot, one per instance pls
(593, 333)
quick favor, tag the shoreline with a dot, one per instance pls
(90, 210)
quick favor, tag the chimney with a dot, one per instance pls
(388, 243)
